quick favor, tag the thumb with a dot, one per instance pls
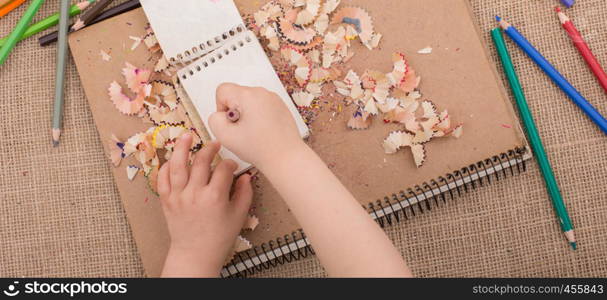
(243, 194)
(219, 123)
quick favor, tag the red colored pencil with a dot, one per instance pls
(585, 51)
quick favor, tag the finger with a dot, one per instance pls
(201, 169)
(164, 181)
(226, 96)
(179, 163)
(243, 194)
(223, 176)
(219, 123)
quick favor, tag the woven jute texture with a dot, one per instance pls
(60, 213)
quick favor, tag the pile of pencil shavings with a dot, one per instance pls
(155, 99)
(314, 40)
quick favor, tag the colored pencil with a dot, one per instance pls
(10, 7)
(109, 13)
(91, 14)
(51, 21)
(554, 74)
(580, 44)
(19, 30)
(5, 2)
(60, 74)
(568, 3)
(233, 115)
(534, 137)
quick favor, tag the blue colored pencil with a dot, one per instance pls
(554, 74)
(568, 3)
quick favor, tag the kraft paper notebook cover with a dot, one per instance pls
(458, 76)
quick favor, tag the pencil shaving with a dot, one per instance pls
(427, 50)
(240, 244)
(132, 171)
(297, 35)
(308, 14)
(359, 121)
(136, 42)
(251, 223)
(116, 150)
(303, 98)
(105, 56)
(303, 66)
(124, 103)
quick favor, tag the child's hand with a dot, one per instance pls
(266, 130)
(203, 219)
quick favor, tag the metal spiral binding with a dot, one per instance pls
(388, 211)
(214, 57)
(205, 47)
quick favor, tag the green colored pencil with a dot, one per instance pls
(534, 137)
(51, 21)
(21, 27)
(60, 75)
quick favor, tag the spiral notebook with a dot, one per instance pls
(458, 76)
(202, 27)
(241, 61)
(234, 55)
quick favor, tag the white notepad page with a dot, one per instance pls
(245, 63)
(187, 29)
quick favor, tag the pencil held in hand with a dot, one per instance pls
(583, 48)
(233, 115)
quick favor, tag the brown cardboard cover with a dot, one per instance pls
(457, 76)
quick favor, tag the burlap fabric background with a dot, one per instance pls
(60, 214)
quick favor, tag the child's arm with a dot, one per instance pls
(345, 238)
(203, 219)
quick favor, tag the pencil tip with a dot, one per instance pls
(497, 18)
(55, 144)
(573, 245)
(557, 9)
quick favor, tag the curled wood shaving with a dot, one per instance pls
(309, 13)
(360, 121)
(303, 99)
(251, 223)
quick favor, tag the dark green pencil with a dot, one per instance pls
(534, 137)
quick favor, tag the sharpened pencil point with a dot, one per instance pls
(573, 245)
(497, 18)
(56, 135)
(557, 9)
